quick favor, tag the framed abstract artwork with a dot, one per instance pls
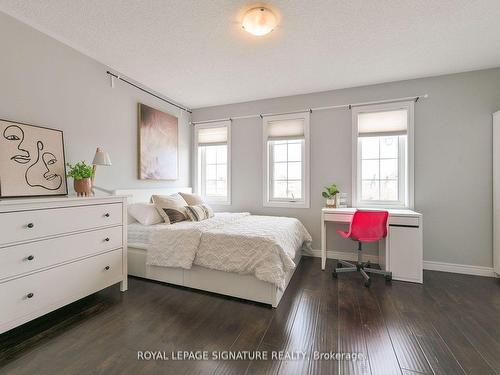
(158, 144)
(32, 161)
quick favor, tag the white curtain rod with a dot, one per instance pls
(341, 106)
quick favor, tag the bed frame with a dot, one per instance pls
(227, 283)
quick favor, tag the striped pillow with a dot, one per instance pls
(199, 212)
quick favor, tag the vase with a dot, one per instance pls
(331, 202)
(83, 187)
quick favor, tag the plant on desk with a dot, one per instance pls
(330, 193)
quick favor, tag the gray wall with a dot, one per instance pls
(453, 158)
(44, 82)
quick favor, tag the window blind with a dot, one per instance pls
(212, 135)
(285, 129)
(383, 123)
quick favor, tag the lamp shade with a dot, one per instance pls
(101, 157)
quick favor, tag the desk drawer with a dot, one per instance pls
(339, 218)
(404, 221)
(19, 259)
(29, 225)
(34, 295)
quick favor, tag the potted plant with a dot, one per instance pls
(329, 193)
(82, 175)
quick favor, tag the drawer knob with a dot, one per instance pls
(106, 214)
(107, 268)
(30, 225)
(29, 295)
(30, 257)
(106, 239)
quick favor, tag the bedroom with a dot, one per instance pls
(83, 69)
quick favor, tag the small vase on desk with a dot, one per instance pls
(331, 202)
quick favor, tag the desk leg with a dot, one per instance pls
(323, 243)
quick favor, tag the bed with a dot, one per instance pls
(254, 278)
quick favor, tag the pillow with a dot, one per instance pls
(130, 218)
(144, 213)
(199, 212)
(171, 207)
(191, 199)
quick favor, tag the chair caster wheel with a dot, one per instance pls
(388, 278)
(368, 283)
(339, 265)
(334, 274)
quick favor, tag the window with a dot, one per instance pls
(212, 150)
(286, 160)
(383, 155)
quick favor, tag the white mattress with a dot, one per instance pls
(138, 234)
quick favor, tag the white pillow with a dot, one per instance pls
(192, 199)
(145, 213)
(130, 218)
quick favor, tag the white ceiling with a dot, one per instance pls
(195, 52)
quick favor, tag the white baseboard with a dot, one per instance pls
(345, 255)
(428, 265)
(459, 268)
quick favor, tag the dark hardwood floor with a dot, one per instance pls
(449, 325)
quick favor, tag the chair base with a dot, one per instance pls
(363, 267)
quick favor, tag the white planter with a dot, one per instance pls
(331, 203)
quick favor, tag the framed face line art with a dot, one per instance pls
(32, 161)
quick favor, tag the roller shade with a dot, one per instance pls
(383, 123)
(212, 135)
(285, 129)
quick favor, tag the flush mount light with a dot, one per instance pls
(259, 21)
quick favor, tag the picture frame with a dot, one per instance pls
(32, 161)
(158, 144)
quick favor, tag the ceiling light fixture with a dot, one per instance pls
(259, 21)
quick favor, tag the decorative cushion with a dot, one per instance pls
(131, 219)
(191, 199)
(144, 213)
(171, 207)
(199, 212)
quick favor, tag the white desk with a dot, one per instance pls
(401, 252)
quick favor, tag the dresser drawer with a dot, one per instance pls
(28, 297)
(19, 259)
(28, 225)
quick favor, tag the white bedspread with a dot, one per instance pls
(263, 246)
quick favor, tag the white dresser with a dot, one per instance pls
(54, 251)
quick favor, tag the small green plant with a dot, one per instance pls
(330, 191)
(80, 170)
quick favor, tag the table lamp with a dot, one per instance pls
(101, 158)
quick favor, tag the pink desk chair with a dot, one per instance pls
(366, 226)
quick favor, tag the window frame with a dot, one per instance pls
(304, 202)
(407, 180)
(197, 178)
